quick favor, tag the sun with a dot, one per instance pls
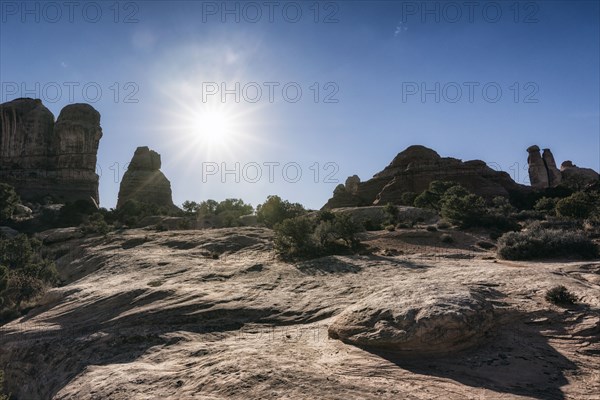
(213, 128)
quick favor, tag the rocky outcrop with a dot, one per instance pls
(543, 172)
(423, 320)
(144, 182)
(42, 158)
(413, 170)
(579, 177)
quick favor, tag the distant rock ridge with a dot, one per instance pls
(41, 157)
(543, 172)
(412, 170)
(144, 182)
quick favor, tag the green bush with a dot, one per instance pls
(8, 201)
(390, 228)
(540, 243)
(96, 224)
(579, 205)
(546, 205)
(303, 237)
(275, 210)
(559, 295)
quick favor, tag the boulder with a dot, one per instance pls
(144, 182)
(413, 170)
(420, 320)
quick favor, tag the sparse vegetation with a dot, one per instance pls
(540, 243)
(8, 201)
(560, 296)
(392, 213)
(24, 273)
(304, 237)
(431, 198)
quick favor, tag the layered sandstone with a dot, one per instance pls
(413, 170)
(144, 182)
(42, 158)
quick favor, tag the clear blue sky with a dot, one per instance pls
(374, 58)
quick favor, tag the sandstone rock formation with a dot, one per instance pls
(143, 181)
(543, 172)
(423, 320)
(42, 158)
(413, 170)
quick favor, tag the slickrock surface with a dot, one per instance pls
(213, 314)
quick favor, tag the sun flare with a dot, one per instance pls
(213, 127)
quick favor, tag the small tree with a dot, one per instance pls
(462, 208)
(293, 237)
(275, 210)
(432, 197)
(546, 205)
(392, 214)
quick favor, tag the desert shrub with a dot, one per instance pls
(561, 296)
(431, 198)
(546, 205)
(293, 238)
(430, 228)
(75, 213)
(539, 243)
(446, 238)
(303, 237)
(8, 201)
(462, 208)
(403, 225)
(501, 206)
(369, 225)
(485, 245)
(392, 213)
(96, 224)
(390, 228)
(325, 215)
(275, 210)
(525, 215)
(24, 272)
(579, 205)
(408, 198)
(443, 225)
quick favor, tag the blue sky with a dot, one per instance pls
(361, 66)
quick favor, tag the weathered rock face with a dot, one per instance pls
(143, 181)
(413, 170)
(42, 158)
(543, 172)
